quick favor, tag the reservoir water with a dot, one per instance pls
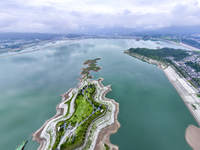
(152, 114)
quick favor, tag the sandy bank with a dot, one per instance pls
(188, 94)
(186, 91)
(192, 136)
(104, 134)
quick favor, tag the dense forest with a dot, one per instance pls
(160, 54)
(196, 66)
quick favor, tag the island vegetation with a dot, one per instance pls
(86, 111)
(107, 147)
(92, 66)
(160, 54)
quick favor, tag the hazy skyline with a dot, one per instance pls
(77, 15)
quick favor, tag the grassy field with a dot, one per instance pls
(83, 110)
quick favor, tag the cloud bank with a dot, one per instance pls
(63, 16)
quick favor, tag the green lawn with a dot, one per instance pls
(83, 110)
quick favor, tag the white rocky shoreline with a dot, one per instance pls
(46, 135)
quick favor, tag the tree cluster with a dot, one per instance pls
(160, 54)
(195, 65)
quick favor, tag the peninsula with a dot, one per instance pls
(168, 60)
(84, 119)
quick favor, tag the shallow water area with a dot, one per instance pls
(152, 114)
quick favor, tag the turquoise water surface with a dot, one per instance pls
(152, 114)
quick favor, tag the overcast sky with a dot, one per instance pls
(75, 15)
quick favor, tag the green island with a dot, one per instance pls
(86, 110)
(92, 66)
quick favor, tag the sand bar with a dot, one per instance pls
(193, 137)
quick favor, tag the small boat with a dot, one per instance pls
(22, 145)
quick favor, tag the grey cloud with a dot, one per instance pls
(181, 9)
(76, 13)
(23, 16)
(126, 11)
(186, 13)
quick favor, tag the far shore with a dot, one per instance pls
(190, 47)
(19, 53)
(182, 44)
